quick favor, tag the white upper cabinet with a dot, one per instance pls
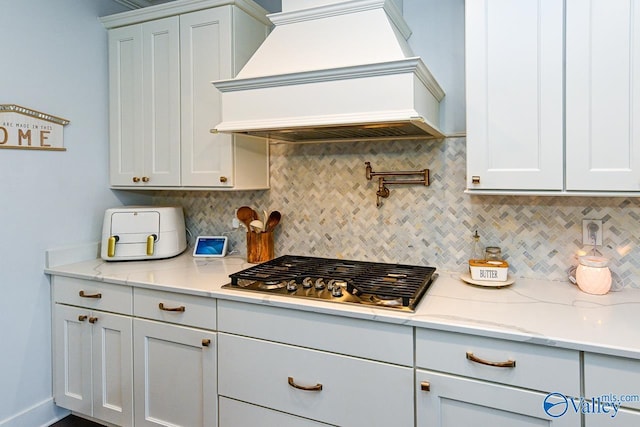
(538, 126)
(514, 94)
(603, 95)
(163, 105)
(205, 56)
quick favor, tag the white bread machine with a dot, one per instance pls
(143, 232)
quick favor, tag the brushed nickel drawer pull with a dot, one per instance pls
(293, 384)
(93, 320)
(508, 364)
(206, 342)
(425, 386)
(179, 309)
(83, 295)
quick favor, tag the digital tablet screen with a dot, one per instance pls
(213, 246)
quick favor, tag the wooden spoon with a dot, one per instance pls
(246, 215)
(272, 221)
(256, 226)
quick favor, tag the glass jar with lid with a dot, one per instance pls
(493, 253)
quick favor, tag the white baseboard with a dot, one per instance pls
(41, 414)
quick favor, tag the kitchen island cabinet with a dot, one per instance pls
(538, 126)
(162, 103)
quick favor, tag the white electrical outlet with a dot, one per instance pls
(592, 232)
(235, 222)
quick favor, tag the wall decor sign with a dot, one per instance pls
(23, 128)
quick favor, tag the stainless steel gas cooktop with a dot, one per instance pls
(394, 286)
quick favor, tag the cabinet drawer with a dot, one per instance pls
(94, 295)
(361, 338)
(613, 379)
(234, 414)
(182, 309)
(536, 367)
(354, 392)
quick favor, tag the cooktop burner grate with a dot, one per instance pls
(384, 281)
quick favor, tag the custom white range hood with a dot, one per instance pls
(333, 70)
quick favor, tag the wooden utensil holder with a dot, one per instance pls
(259, 247)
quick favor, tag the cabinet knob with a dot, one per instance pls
(145, 179)
(206, 342)
(82, 317)
(475, 179)
(223, 179)
(93, 319)
(425, 386)
(136, 179)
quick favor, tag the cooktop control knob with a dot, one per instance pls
(292, 286)
(337, 288)
(319, 284)
(307, 283)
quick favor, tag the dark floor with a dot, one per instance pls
(73, 421)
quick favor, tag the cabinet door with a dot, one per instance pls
(603, 95)
(206, 55)
(125, 105)
(72, 358)
(112, 372)
(453, 401)
(514, 72)
(164, 394)
(161, 101)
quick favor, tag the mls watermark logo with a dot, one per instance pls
(557, 404)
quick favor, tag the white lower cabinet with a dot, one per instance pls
(331, 388)
(153, 364)
(305, 369)
(469, 380)
(175, 375)
(92, 362)
(611, 390)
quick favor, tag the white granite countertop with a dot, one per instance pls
(536, 311)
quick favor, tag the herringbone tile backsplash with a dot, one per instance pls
(329, 209)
